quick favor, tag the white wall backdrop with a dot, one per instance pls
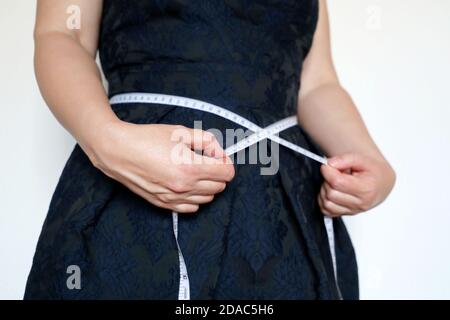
(393, 56)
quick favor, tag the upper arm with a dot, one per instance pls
(53, 16)
(318, 68)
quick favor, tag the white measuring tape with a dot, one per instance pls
(259, 134)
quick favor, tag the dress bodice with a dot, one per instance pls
(241, 54)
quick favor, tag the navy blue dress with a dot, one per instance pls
(264, 236)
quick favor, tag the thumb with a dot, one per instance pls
(346, 161)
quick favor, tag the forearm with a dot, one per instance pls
(71, 85)
(330, 117)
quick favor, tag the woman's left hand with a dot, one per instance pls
(354, 183)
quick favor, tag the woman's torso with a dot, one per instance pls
(263, 237)
(236, 53)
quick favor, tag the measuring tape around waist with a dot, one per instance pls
(270, 132)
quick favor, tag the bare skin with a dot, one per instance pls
(135, 155)
(65, 67)
(328, 114)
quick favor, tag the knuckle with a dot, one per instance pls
(179, 133)
(166, 198)
(147, 186)
(323, 192)
(353, 157)
(331, 194)
(163, 197)
(166, 206)
(230, 173)
(179, 208)
(336, 182)
(179, 127)
(222, 187)
(363, 206)
(209, 136)
(158, 203)
(96, 163)
(327, 204)
(188, 169)
(183, 208)
(179, 186)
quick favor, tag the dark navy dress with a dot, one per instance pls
(264, 236)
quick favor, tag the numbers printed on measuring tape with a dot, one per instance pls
(260, 134)
(164, 99)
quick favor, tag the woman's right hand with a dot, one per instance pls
(138, 156)
(158, 162)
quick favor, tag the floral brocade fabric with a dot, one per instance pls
(263, 237)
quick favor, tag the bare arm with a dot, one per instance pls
(66, 71)
(326, 110)
(330, 117)
(71, 85)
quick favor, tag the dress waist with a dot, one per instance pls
(235, 87)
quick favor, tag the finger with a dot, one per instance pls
(149, 197)
(343, 182)
(206, 141)
(322, 209)
(213, 149)
(177, 207)
(335, 209)
(199, 199)
(180, 198)
(340, 198)
(207, 159)
(322, 199)
(214, 169)
(353, 161)
(208, 187)
(186, 208)
(201, 188)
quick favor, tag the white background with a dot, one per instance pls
(393, 56)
